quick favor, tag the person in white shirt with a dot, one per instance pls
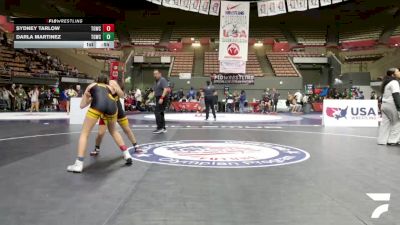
(389, 130)
(139, 99)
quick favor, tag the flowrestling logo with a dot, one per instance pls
(220, 154)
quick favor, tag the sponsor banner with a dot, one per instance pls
(313, 4)
(194, 5)
(114, 70)
(234, 30)
(214, 7)
(232, 79)
(228, 66)
(219, 154)
(296, 5)
(325, 2)
(204, 6)
(350, 113)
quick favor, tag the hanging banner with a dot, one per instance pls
(185, 5)
(262, 8)
(276, 7)
(325, 2)
(296, 5)
(228, 66)
(114, 70)
(158, 2)
(232, 79)
(271, 8)
(313, 4)
(194, 5)
(336, 1)
(214, 7)
(168, 3)
(234, 31)
(204, 6)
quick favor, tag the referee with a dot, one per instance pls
(209, 92)
(160, 89)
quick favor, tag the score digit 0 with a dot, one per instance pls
(108, 28)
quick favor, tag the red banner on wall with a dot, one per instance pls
(114, 70)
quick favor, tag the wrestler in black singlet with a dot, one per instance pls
(103, 104)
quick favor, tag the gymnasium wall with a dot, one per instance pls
(379, 67)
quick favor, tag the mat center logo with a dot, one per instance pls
(220, 154)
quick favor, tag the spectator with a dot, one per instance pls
(70, 93)
(34, 95)
(74, 72)
(266, 102)
(6, 94)
(139, 99)
(79, 91)
(298, 97)
(48, 101)
(275, 99)
(13, 94)
(230, 101)
(180, 94)
(374, 96)
(20, 98)
(236, 98)
(192, 94)
(242, 101)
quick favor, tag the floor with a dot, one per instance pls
(298, 172)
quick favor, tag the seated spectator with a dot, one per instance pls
(192, 94)
(266, 102)
(180, 94)
(74, 71)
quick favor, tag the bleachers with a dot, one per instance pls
(349, 34)
(267, 32)
(146, 36)
(281, 64)
(183, 61)
(396, 31)
(211, 64)
(26, 63)
(189, 32)
(314, 37)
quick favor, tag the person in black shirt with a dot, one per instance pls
(209, 92)
(160, 92)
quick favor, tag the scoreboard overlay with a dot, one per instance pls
(63, 33)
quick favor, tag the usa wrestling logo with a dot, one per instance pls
(219, 154)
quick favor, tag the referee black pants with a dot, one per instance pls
(159, 113)
(210, 103)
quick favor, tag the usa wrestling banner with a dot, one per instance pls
(232, 78)
(204, 7)
(228, 66)
(114, 70)
(234, 31)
